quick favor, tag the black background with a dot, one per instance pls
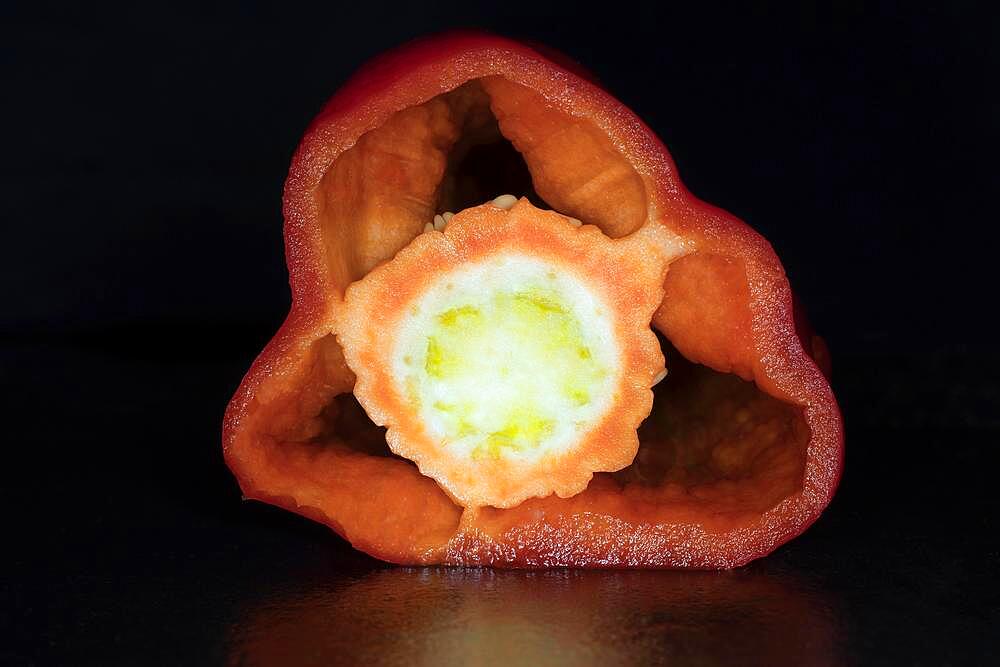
(142, 269)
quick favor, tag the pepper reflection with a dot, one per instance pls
(438, 616)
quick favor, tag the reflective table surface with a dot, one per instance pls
(138, 550)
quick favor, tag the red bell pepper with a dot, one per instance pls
(744, 446)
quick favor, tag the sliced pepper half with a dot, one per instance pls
(743, 448)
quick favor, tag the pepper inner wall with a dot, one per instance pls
(715, 449)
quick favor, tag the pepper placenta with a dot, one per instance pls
(743, 448)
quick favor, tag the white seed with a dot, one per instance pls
(429, 227)
(439, 223)
(447, 215)
(659, 377)
(574, 221)
(505, 201)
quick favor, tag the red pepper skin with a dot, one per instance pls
(747, 328)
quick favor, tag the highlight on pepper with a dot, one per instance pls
(517, 340)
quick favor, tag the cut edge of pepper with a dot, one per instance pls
(774, 361)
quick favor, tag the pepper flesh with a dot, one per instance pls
(511, 356)
(364, 182)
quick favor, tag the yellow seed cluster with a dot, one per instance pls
(508, 338)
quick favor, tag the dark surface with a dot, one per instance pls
(143, 551)
(142, 271)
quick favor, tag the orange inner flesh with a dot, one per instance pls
(716, 450)
(510, 356)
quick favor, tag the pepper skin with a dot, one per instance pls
(744, 447)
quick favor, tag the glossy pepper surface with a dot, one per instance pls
(744, 446)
